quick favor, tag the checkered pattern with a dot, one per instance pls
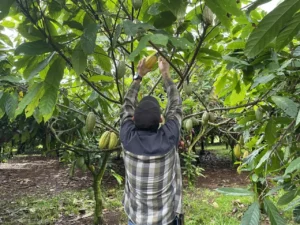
(153, 186)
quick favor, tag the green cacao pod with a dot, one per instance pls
(121, 69)
(258, 114)
(212, 117)
(241, 141)
(104, 140)
(195, 121)
(187, 88)
(237, 151)
(189, 125)
(113, 140)
(80, 162)
(205, 118)
(137, 4)
(208, 16)
(90, 122)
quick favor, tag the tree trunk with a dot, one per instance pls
(98, 219)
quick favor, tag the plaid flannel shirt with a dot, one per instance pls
(153, 183)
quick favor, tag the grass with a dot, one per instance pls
(201, 206)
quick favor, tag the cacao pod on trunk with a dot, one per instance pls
(237, 151)
(121, 69)
(187, 88)
(208, 16)
(189, 125)
(104, 140)
(212, 117)
(90, 122)
(258, 114)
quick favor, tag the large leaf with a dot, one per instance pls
(4, 7)
(287, 105)
(132, 29)
(217, 9)
(158, 39)
(298, 119)
(177, 7)
(294, 165)
(263, 159)
(270, 26)
(33, 48)
(164, 19)
(11, 105)
(79, 59)
(287, 34)
(28, 97)
(101, 78)
(270, 132)
(252, 215)
(235, 191)
(39, 67)
(12, 79)
(88, 38)
(296, 214)
(51, 84)
(102, 58)
(32, 106)
(273, 213)
(262, 80)
(287, 197)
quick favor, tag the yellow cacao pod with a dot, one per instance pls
(212, 117)
(150, 61)
(188, 89)
(205, 118)
(237, 151)
(113, 140)
(246, 153)
(121, 69)
(90, 122)
(104, 140)
(137, 4)
(189, 125)
(258, 114)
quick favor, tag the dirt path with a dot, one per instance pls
(40, 176)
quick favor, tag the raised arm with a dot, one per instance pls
(130, 99)
(174, 107)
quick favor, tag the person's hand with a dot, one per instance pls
(164, 67)
(141, 68)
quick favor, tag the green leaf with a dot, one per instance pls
(263, 159)
(255, 4)
(273, 213)
(12, 79)
(88, 38)
(287, 105)
(230, 6)
(40, 66)
(11, 105)
(236, 45)
(51, 84)
(210, 52)
(221, 14)
(287, 34)
(32, 106)
(262, 80)
(270, 132)
(181, 43)
(158, 39)
(298, 119)
(33, 48)
(117, 34)
(164, 19)
(294, 165)
(296, 214)
(252, 215)
(287, 197)
(131, 29)
(270, 26)
(235, 191)
(102, 58)
(79, 59)
(177, 7)
(100, 77)
(4, 8)
(235, 60)
(28, 97)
